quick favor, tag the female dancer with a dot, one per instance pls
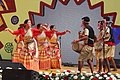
(20, 45)
(44, 59)
(26, 35)
(54, 49)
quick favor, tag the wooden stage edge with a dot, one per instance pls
(85, 68)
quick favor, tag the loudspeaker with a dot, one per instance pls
(11, 65)
(15, 74)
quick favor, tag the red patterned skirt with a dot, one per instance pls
(34, 64)
(56, 59)
(25, 59)
(16, 56)
(44, 61)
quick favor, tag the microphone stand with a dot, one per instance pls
(60, 41)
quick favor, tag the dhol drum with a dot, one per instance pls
(77, 47)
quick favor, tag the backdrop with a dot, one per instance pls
(64, 14)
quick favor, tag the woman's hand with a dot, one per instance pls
(68, 31)
(6, 29)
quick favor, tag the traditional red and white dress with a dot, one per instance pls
(20, 45)
(44, 59)
(29, 49)
(16, 55)
(54, 50)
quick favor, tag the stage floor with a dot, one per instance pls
(85, 68)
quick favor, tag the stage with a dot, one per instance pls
(65, 73)
(86, 68)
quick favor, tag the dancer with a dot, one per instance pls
(54, 48)
(44, 59)
(109, 44)
(26, 35)
(88, 38)
(19, 47)
(99, 47)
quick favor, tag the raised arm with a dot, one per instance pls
(63, 33)
(16, 32)
(8, 29)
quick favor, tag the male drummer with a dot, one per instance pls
(109, 44)
(86, 53)
(99, 45)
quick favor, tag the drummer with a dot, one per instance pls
(109, 44)
(86, 53)
(99, 47)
